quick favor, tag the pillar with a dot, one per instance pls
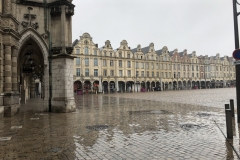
(108, 86)
(8, 70)
(62, 78)
(125, 86)
(14, 70)
(32, 91)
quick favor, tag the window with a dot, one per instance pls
(136, 64)
(178, 74)
(129, 73)
(77, 61)
(104, 62)
(197, 74)
(174, 75)
(77, 51)
(152, 65)
(120, 73)
(86, 61)
(157, 74)
(105, 54)
(147, 65)
(174, 66)
(111, 62)
(110, 54)
(147, 73)
(112, 73)
(142, 73)
(142, 66)
(86, 72)
(166, 75)
(193, 75)
(95, 62)
(196, 68)
(95, 52)
(104, 72)
(95, 72)
(78, 72)
(178, 66)
(157, 66)
(192, 67)
(128, 55)
(86, 50)
(128, 64)
(120, 55)
(137, 74)
(120, 63)
(152, 74)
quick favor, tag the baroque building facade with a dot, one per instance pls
(146, 69)
(31, 51)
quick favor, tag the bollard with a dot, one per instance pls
(232, 106)
(228, 113)
(227, 106)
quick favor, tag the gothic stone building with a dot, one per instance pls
(35, 46)
(142, 69)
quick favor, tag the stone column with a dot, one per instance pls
(32, 92)
(108, 86)
(63, 28)
(14, 70)
(62, 78)
(8, 70)
(7, 7)
(91, 86)
(125, 86)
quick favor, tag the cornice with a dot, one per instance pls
(12, 32)
(11, 17)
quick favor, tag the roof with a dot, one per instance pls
(181, 54)
(75, 42)
(159, 52)
(145, 50)
(171, 53)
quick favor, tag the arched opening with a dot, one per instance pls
(31, 69)
(105, 86)
(77, 86)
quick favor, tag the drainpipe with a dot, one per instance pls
(46, 19)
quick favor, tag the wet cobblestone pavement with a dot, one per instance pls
(124, 126)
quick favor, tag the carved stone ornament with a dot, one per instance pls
(69, 50)
(44, 35)
(56, 50)
(30, 17)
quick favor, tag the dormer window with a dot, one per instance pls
(105, 54)
(120, 55)
(110, 54)
(141, 57)
(128, 55)
(124, 47)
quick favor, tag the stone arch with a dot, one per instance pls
(30, 33)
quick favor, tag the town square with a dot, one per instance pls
(119, 80)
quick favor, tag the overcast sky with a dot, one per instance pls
(204, 26)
